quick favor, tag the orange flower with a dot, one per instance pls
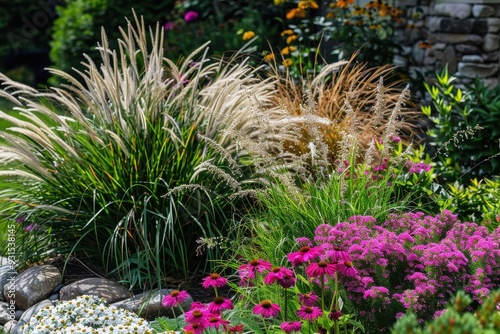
(291, 38)
(287, 32)
(308, 4)
(344, 3)
(288, 50)
(287, 62)
(296, 13)
(269, 57)
(383, 9)
(248, 35)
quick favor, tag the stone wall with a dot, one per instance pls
(464, 36)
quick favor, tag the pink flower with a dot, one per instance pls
(309, 312)
(291, 326)
(219, 304)
(191, 16)
(347, 269)
(282, 276)
(198, 316)
(305, 254)
(308, 299)
(194, 328)
(169, 25)
(266, 309)
(216, 321)
(248, 271)
(214, 281)
(236, 329)
(321, 268)
(175, 298)
(337, 255)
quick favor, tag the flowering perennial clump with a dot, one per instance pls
(85, 314)
(413, 262)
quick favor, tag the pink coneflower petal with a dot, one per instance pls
(214, 281)
(291, 326)
(308, 299)
(248, 271)
(216, 321)
(197, 316)
(220, 304)
(321, 268)
(266, 309)
(282, 276)
(309, 313)
(305, 254)
(347, 269)
(175, 298)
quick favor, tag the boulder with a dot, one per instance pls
(33, 285)
(101, 287)
(148, 305)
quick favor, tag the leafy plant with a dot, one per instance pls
(463, 137)
(78, 26)
(457, 318)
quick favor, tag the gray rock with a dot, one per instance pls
(53, 297)
(455, 26)
(479, 26)
(6, 273)
(148, 305)
(467, 49)
(19, 314)
(6, 313)
(101, 287)
(25, 318)
(491, 42)
(458, 11)
(473, 70)
(493, 24)
(472, 59)
(450, 57)
(34, 285)
(491, 56)
(9, 326)
(482, 10)
(459, 38)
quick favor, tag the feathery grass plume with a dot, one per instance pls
(139, 157)
(371, 101)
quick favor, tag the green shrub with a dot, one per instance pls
(477, 202)
(457, 318)
(78, 27)
(464, 136)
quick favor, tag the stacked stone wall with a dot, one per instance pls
(463, 36)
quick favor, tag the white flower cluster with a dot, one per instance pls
(85, 314)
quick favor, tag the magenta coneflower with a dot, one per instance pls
(214, 281)
(197, 316)
(347, 269)
(266, 309)
(216, 321)
(321, 268)
(281, 275)
(305, 254)
(220, 304)
(248, 271)
(309, 313)
(175, 298)
(308, 299)
(235, 329)
(337, 254)
(291, 326)
(194, 328)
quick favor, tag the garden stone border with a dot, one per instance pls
(147, 304)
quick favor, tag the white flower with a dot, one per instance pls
(85, 314)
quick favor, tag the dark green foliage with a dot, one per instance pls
(464, 135)
(457, 319)
(77, 30)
